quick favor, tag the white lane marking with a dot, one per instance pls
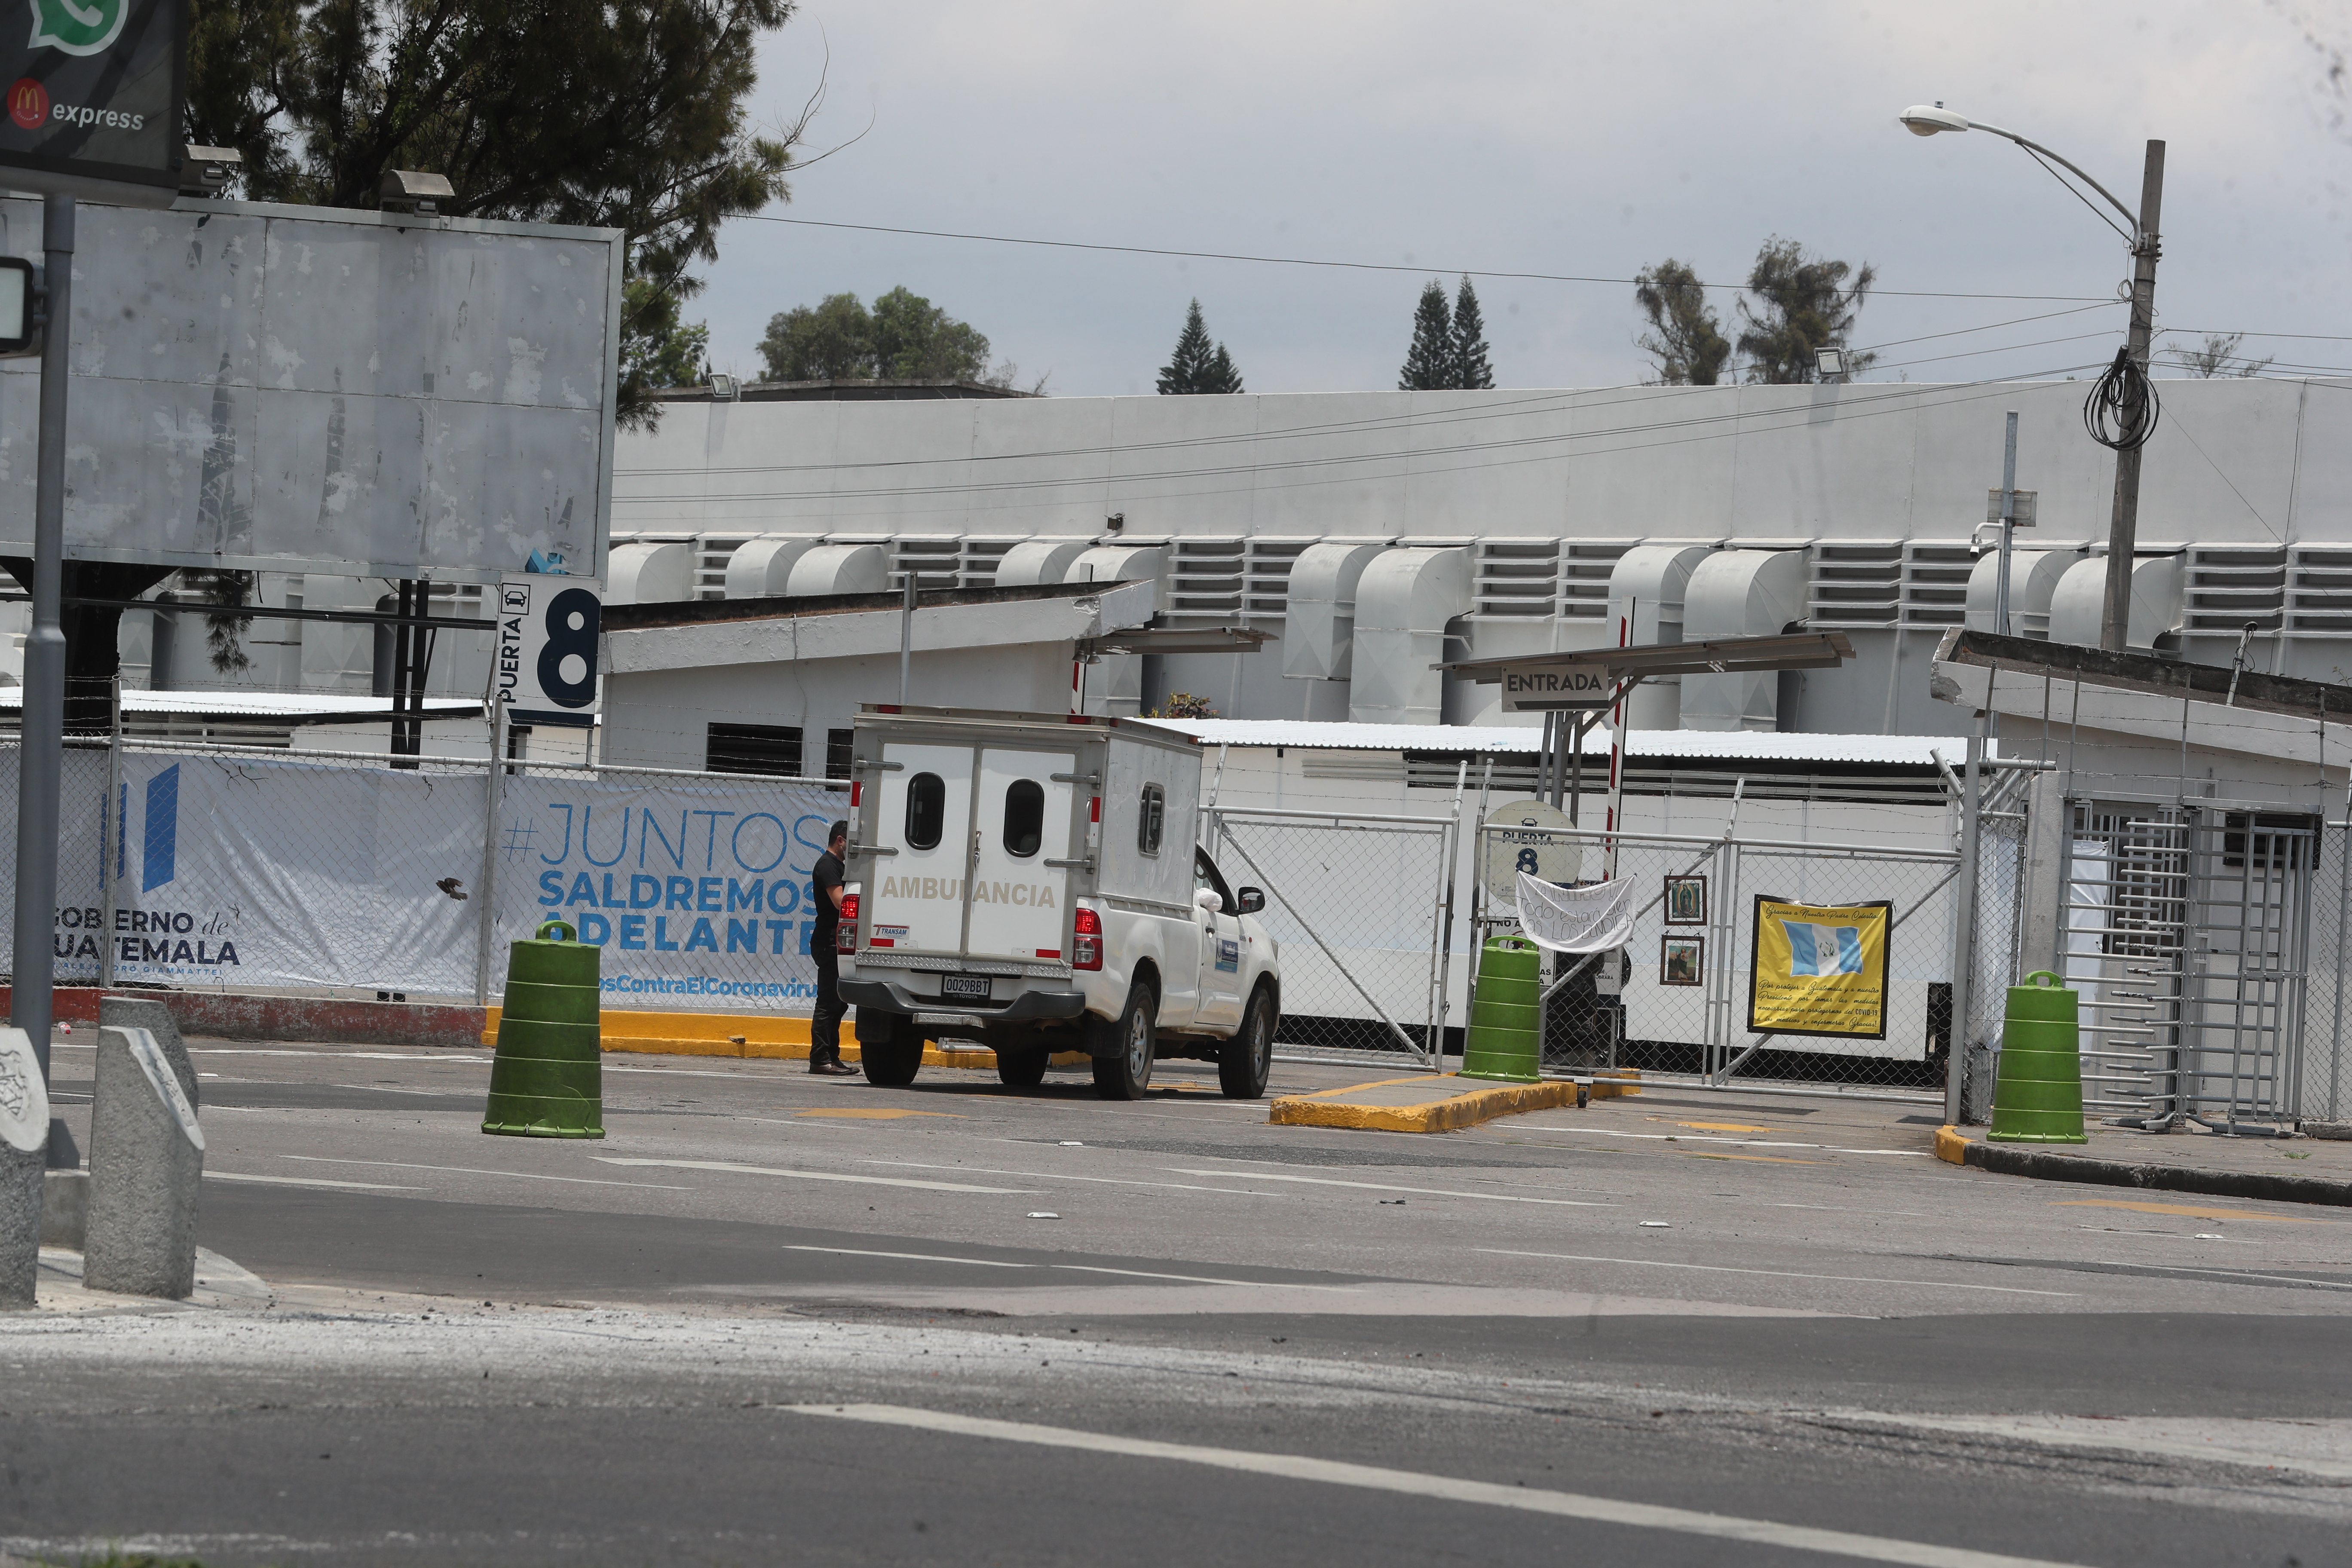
(1829, 1208)
(1745, 1143)
(2228, 1274)
(907, 1257)
(2125, 1440)
(1078, 1268)
(477, 1171)
(1776, 1273)
(1530, 1499)
(1392, 1187)
(814, 1176)
(454, 1053)
(306, 1182)
(1042, 1176)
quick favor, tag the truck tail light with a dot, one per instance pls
(1086, 944)
(856, 793)
(845, 936)
(1093, 809)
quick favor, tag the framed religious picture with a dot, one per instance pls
(1686, 901)
(1682, 960)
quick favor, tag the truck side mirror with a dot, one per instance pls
(1251, 900)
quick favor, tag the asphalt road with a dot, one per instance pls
(775, 1318)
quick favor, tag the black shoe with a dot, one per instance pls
(832, 1066)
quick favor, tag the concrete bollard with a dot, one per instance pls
(144, 1013)
(23, 1157)
(146, 1161)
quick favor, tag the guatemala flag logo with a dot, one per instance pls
(1818, 949)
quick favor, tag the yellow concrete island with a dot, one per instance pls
(1428, 1102)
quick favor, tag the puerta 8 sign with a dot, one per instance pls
(94, 94)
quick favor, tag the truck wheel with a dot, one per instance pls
(892, 1061)
(1021, 1068)
(1244, 1061)
(1128, 1075)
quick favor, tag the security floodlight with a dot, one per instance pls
(415, 191)
(1831, 362)
(206, 171)
(1926, 119)
(723, 387)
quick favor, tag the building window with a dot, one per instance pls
(927, 811)
(1024, 817)
(1150, 816)
(838, 744)
(753, 749)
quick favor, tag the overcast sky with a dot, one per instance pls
(1515, 136)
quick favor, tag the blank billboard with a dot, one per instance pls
(315, 390)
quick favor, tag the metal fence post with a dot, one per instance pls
(110, 835)
(1963, 898)
(488, 886)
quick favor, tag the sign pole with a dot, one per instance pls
(40, 758)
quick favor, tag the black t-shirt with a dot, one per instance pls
(826, 877)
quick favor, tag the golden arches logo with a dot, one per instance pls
(29, 103)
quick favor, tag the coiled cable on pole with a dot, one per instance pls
(2121, 412)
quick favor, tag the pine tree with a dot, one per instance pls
(1429, 364)
(1198, 366)
(1685, 342)
(1472, 371)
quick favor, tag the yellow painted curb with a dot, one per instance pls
(1448, 1115)
(1951, 1146)
(1620, 1083)
(749, 1038)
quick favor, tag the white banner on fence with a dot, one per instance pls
(698, 894)
(247, 873)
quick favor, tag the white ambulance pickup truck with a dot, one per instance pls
(1031, 883)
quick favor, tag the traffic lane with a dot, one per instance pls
(1112, 1184)
(406, 1225)
(618, 1454)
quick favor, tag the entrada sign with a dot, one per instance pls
(1549, 687)
(94, 94)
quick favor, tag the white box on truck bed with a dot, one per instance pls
(1033, 882)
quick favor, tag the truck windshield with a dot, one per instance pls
(1025, 816)
(927, 810)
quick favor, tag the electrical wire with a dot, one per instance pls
(1417, 270)
(2122, 409)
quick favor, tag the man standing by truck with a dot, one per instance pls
(825, 1029)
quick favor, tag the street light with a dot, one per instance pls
(2137, 407)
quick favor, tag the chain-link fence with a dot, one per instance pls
(2326, 1076)
(1362, 909)
(1683, 1002)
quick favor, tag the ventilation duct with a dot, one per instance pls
(2034, 578)
(1403, 600)
(840, 569)
(1115, 684)
(1319, 623)
(2079, 605)
(1649, 584)
(762, 568)
(1735, 594)
(647, 574)
(1035, 561)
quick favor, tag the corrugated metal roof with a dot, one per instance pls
(309, 706)
(1739, 745)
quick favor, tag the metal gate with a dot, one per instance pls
(2187, 934)
(1363, 909)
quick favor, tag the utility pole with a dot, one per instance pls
(2123, 529)
(41, 755)
(2008, 524)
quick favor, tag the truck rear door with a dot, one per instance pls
(916, 894)
(1020, 820)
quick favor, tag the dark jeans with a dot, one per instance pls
(825, 1029)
